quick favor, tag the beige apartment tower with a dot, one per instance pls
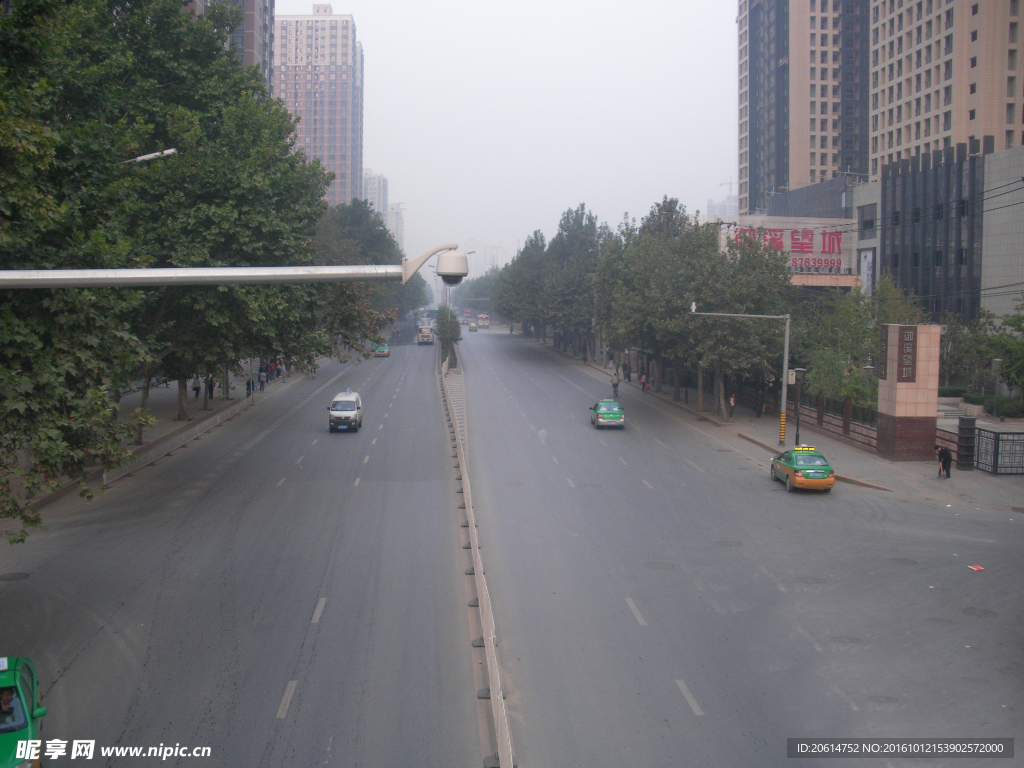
(319, 76)
(803, 95)
(945, 72)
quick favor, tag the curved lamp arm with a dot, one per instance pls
(411, 266)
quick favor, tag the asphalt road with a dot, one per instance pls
(660, 602)
(285, 596)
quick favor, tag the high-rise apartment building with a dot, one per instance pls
(375, 192)
(319, 75)
(803, 94)
(396, 223)
(944, 72)
(254, 38)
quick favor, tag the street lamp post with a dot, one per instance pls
(785, 360)
(799, 381)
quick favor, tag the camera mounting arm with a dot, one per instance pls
(411, 266)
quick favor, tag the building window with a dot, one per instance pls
(947, 69)
(974, 61)
(1011, 60)
(1011, 87)
(947, 95)
(970, 114)
(947, 121)
(974, 10)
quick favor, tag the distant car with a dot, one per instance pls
(472, 327)
(20, 712)
(345, 412)
(381, 350)
(465, 321)
(607, 413)
(803, 467)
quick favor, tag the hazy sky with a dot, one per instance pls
(491, 119)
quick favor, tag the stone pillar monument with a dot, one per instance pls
(908, 391)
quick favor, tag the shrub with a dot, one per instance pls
(952, 391)
(973, 398)
(999, 405)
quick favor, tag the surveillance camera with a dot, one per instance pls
(452, 266)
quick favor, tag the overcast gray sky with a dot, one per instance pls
(491, 119)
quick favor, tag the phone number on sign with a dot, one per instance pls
(806, 261)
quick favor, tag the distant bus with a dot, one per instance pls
(425, 335)
(483, 321)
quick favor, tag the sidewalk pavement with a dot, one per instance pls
(163, 405)
(916, 480)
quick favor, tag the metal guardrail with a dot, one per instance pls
(503, 735)
(147, 457)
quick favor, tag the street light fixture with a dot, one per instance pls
(785, 360)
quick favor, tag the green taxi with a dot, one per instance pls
(607, 413)
(803, 466)
(19, 710)
(381, 350)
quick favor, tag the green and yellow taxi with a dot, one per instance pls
(803, 466)
(381, 350)
(20, 712)
(472, 327)
(607, 413)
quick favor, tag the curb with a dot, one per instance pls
(96, 473)
(839, 478)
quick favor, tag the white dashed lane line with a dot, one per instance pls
(374, 441)
(602, 442)
(669, 447)
(570, 482)
(366, 458)
(646, 483)
(319, 610)
(699, 469)
(554, 459)
(289, 691)
(280, 482)
(356, 482)
(623, 462)
(314, 442)
(689, 699)
(381, 427)
(636, 612)
(299, 460)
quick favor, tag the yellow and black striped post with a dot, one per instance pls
(782, 429)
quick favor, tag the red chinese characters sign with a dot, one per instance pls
(802, 241)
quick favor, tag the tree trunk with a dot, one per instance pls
(206, 392)
(142, 407)
(116, 397)
(700, 387)
(225, 393)
(675, 379)
(719, 393)
(182, 400)
(661, 373)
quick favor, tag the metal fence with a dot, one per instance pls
(1000, 453)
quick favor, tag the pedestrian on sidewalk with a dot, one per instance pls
(945, 457)
(211, 385)
(196, 386)
(263, 380)
(626, 370)
(643, 380)
(248, 387)
(732, 404)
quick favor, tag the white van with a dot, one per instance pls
(345, 412)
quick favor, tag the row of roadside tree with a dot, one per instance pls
(591, 288)
(85, 87)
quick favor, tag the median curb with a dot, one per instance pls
(840, 478)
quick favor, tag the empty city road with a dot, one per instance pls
(660, 602)
(284, 596)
